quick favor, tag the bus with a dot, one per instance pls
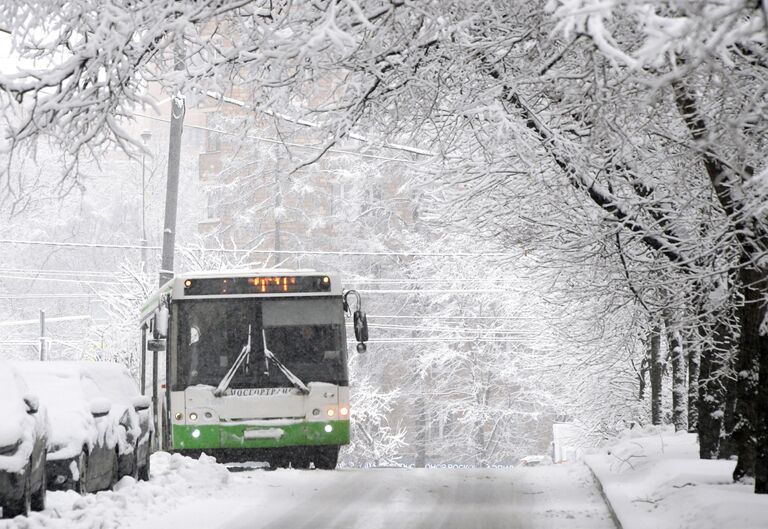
(251, 365)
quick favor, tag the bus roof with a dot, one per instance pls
(175, 286)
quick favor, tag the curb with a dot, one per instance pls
(614, 516)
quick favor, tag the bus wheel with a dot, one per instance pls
(327, 457)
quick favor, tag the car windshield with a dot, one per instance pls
(305, 335)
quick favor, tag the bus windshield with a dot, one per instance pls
(305, 334)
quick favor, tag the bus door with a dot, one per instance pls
(153, 371)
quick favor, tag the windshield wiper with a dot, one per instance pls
(296, 381)
(244, 352)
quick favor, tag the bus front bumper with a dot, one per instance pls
(210, 436)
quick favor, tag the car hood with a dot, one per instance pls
(71, 430)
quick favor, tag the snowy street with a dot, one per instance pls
(187, 493)
(464, 264)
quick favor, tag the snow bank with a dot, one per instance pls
(654, 478)
(175, 480)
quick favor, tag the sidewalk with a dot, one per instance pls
(654, 479)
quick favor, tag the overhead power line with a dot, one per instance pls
(254, 251)
(61, 280)
(432, 291)
(477, 330)
(46, 272)
(431, 317)
(36, 321)
(286, 143)
(449, 339)
(54, 296)
(56, 272)
(410, 280)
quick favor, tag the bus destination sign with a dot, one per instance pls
(210, 286)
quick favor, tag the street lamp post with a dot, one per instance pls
(145, 137)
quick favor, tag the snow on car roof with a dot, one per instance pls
(113, 381)
(12, 407)
(59, 388)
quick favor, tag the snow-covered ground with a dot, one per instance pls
(190, 494)
(654, 478)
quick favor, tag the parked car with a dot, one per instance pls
(116, 384)
(96, 431)
(23, 436)
(535, 461)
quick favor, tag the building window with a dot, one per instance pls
(212, 208)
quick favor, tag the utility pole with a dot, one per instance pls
(172, 185)
(42, 335)
(145, 137)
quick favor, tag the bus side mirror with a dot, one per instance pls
(361, 326)
(161, 322)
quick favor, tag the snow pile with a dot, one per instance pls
(654, 478)
(175, 480)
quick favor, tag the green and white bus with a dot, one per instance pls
(251, 366)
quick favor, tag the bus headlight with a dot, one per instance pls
(343, 411)
(331, 412)
(179, 416)
(328, 428)
(193, 416)
(195, 433)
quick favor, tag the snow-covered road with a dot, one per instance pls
(190, 494)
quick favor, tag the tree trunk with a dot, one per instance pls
(747, 369)
(713, 394)
(710, 408)
(694, 367)
(657, 370)
(421, 431)
(758, 344)
(761, 405)
(751, 429)
(679, 375)
(728, 447)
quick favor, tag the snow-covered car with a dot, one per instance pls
(95, 428)
(116, 384)
(23, 436)
(535, 461)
